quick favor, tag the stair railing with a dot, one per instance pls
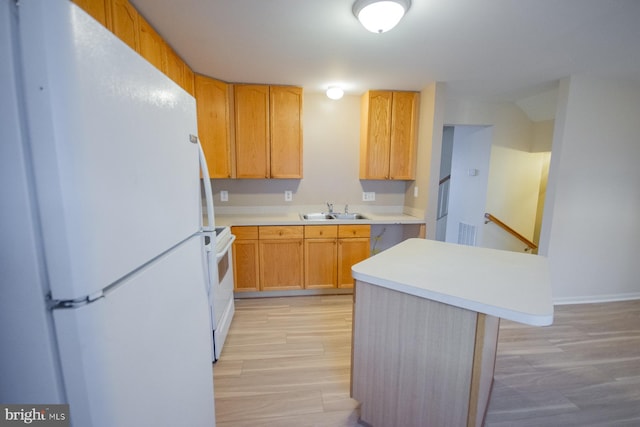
(530, 245)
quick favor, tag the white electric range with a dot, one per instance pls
(221, 290)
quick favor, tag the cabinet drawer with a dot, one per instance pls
(320, 231)
(281, 232)
(245, 232)
(346, 231)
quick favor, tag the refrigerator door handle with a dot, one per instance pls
(208, 194)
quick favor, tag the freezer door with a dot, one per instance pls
(116, 175)
(141, 356)
(27, 362)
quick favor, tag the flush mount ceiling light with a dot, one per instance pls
(335, 92)
(379, 16)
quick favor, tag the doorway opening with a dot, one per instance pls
(462, 193)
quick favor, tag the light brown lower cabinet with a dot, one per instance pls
(269, 258)
(281, 258)
(320, 255)
(353, 247)
(331, 250)
(246, 259)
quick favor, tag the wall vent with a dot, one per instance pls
(467, 234)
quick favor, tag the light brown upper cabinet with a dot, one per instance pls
(152, 46)
(121, 18)
(252, 131)
(188, 81)
(100, 10)
(388, 135)
(175, 67)
(285, 104)
(268, 131)
(212, 102)
(125, 23)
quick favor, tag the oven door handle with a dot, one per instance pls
(223, 252)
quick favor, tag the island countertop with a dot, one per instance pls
(509, 285)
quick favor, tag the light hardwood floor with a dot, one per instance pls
(286, 363)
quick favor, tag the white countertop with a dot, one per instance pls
(510, 285)
(293, 218)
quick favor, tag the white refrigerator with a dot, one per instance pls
(104, 276)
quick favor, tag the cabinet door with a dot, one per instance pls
(354, 230)
(152, 46)
(98, 9)
(350, 252)
(188, 81)
(246, 259)
(403, 135)
(281, 232)
(124, 23)
(286, 131)
(252, 131)
(212, 102)
(320, 263)
(375, 135)
(246, 265)
(281, 264)
(175, 66)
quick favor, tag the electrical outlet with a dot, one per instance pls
(369, 196)
(224, 196)
(415, 191)
(288, 196)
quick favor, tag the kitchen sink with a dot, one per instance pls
(316, 216)
(348, 216)
(331, 216)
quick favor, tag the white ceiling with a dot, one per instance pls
(496, 49)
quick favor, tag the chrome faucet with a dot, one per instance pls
(346, 209)
(330, 207)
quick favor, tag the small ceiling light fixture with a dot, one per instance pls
(335, 92)
(379, 16)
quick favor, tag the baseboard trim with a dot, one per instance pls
(593, 299)
(293, 293)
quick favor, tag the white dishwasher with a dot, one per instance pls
(221, 293)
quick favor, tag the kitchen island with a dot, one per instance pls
(425, 328)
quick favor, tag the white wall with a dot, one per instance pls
(443, 190)
(467, 192)
(432, 102)
(514, 171)
(591, 225)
